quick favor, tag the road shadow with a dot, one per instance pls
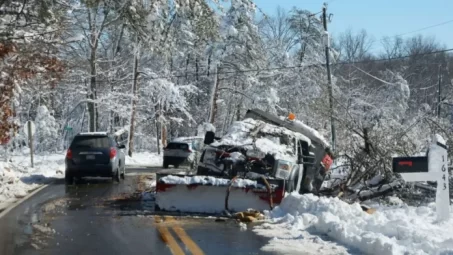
(39, 179)
(144, 204)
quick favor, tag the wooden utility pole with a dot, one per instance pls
(439, 79)
(329, 76)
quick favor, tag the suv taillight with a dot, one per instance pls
(69, 154)
(112, 153)
(188, 150)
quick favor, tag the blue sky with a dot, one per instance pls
(379, 17)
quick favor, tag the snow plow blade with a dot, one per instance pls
(213, 195)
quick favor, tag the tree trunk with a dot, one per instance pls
(92, 93)
(196, 67)
(163, 131)
(134, 103)
(214, 96)
(187, 64)
(157, 137)
(367, 141)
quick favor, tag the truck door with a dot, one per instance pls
(299, 167)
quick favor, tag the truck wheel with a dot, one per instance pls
(165, 165)
(201, 171)
(291, 183)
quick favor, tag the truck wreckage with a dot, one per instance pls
(254, 165)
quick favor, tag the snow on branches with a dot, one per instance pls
(26, 28)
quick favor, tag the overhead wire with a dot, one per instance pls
(182, 75)
(424, 28)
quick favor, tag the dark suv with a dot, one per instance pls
(94, 154)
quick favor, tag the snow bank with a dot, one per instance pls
(399, 229)
(17, 178)
(144, 159)
(209, 180)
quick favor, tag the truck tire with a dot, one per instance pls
(201, 170)
(291, 183)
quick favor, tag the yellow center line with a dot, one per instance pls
(184, 237)
(190, 244)
(168, 238)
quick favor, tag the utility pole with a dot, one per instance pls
(329, 77)
(439, 78)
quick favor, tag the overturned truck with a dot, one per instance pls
(253, 165)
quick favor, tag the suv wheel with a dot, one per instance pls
(69, 179)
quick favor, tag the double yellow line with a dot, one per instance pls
(168, 238)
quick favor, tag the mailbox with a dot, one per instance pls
(410, 165)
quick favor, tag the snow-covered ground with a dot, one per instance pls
(144, 159)
(330, 226)
(17, 178)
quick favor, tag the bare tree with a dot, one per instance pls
(354, 47)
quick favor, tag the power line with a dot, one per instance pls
(424, 28)
(320, 65)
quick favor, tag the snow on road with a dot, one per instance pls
(330, 226)
(144, 159)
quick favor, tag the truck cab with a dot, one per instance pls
(266, 145)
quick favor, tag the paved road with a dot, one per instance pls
(101, 217)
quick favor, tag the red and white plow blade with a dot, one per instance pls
(202, 194)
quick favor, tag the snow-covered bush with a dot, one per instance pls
(47, 130)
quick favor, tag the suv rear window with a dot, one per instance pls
(91, 142)
(180, 146)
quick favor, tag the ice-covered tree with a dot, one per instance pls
(47, 131)
(29, 42)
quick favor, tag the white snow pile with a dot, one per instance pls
(209, 180)
(17, 178)
(299, 220)
(256, 134)
(144, 159)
